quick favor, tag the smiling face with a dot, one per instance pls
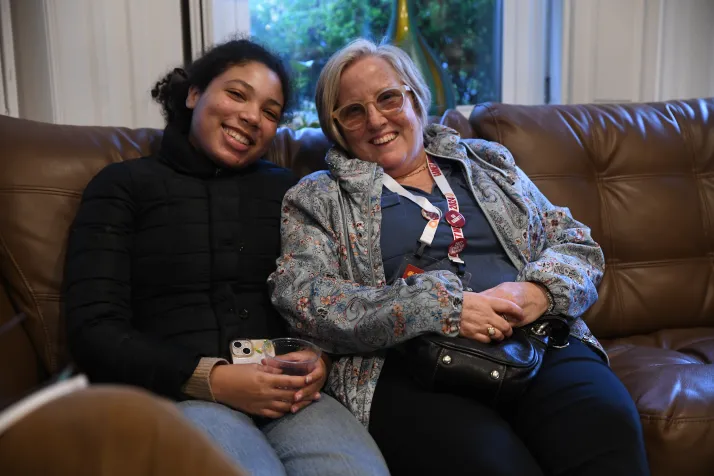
(393, 141)
(236, 117)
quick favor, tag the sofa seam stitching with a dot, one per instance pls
(606, 223)
(686, 133)
(657, 419)
(46, 345)
(39, 190)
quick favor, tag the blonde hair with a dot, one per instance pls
(328, 84)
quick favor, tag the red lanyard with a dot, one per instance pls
(453, 217)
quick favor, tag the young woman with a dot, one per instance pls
(167, 264)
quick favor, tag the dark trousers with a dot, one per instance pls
(575, 419)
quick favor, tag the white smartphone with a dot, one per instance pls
(251, 351)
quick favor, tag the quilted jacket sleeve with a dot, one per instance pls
(98, 295)
(571, 264)
(312, 290)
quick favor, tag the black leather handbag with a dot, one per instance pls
(493, 373)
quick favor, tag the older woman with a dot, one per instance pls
(412, 231)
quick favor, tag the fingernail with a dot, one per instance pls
(294, 409)
(317, 396)
(298, 397)
(308, 379)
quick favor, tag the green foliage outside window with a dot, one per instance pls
(464, 33)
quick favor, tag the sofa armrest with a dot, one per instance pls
(107, 431)
(20, 369)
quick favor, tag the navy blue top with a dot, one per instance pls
(403, 224)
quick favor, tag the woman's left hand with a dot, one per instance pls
(528, 296)
(314, 381)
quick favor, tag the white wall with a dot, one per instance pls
(94, 62)
(637, 50)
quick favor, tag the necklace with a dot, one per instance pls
(414, 172)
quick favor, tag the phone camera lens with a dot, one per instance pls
(246, 351)
(236, 344)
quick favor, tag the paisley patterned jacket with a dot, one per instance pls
(330, 284)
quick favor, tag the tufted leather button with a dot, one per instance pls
(244, 314)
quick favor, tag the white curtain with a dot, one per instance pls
(8, 81)
(214, 21)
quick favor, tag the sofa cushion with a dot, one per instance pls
(303, 150)
(43, 171)
(670, 375)
(642, 177)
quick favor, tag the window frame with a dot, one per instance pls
(527, 59)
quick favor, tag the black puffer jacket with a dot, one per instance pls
(167, 263)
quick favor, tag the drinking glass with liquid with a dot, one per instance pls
(293, 356)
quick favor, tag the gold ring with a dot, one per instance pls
(491, 331)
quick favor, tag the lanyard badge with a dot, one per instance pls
(431, 213)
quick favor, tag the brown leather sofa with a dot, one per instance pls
(641, 175)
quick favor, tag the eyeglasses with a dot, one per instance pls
(389, 101)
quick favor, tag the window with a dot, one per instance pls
(463, 35)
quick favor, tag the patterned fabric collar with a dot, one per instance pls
(443, 141)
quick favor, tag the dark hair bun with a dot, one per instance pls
(169, 90)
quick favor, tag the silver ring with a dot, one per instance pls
(491, 331)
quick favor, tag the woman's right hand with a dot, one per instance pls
(255, 389)
(479, 312)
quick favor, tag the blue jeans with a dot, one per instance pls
(322, 439)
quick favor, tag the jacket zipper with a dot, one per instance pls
(345, 233)
(369, 226)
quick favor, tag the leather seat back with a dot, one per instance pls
(642, 177)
